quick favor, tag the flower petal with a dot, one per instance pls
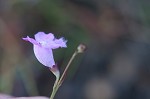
(31, 40)
(56, 43)
(44, 56)
(61, 42)
(41, 36)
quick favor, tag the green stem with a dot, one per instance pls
(58, 81)
(54, 89)
(65, 71)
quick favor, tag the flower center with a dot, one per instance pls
(43, 43)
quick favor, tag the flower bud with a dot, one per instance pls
(81, 48)
(55, 71)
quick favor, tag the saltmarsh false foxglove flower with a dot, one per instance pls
(43, 45)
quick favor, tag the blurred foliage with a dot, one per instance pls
(99, 24)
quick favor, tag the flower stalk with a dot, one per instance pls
(54, 89)
(59, 81)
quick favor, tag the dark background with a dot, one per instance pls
(116, 64)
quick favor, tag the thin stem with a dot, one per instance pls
(65, 71)
(54, 89)
(58, 81)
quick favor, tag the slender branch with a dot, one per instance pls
(54, 88)
(58, 81)
(65, 71)
(80, 49)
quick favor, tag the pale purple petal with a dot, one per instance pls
(50, 36)
(31, 40)
(62, 42)
(44, 56)
(42, 37)
(56, 43)
(39, 36)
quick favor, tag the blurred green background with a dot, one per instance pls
(116, 64)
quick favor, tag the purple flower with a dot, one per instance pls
(43, 45)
